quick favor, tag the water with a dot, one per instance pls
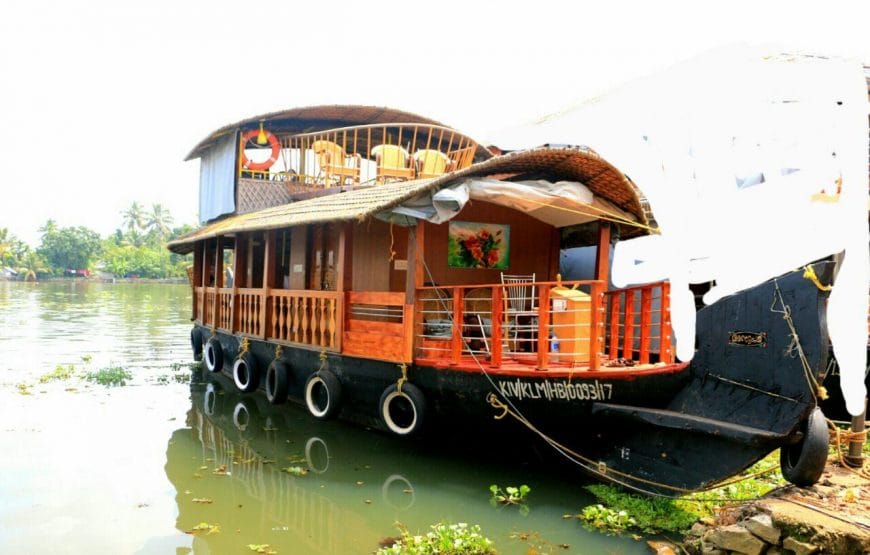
(90, 469)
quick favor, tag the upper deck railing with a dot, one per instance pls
(361, 155)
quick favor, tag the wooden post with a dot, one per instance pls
(343, 276)
(497, 315)
(456, 342)
(666, 351)
(595, 324)
(645, 323)
(414, 278)
(628, 325)
(613, 347)
(855, 458)
(269, 258)
(602, 255)
(218, 280)
(240, 263)
(543, 327)
(197, 280)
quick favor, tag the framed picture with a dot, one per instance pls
(473, 245)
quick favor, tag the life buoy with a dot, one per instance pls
(277, 382)
(323, 394)
(802, 464)
(402, 411)
(214, 355)
(196, 344)
(273, 142)
(245, 374)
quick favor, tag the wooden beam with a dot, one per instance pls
(269, 258)
(218, 279)
(416, 252)
(596, 324)
(343, 277)
(602, 255)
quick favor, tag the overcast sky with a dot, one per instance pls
(101, 101)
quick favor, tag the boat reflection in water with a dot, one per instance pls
(279, 477)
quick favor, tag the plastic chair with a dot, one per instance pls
(335, 164)
(393, 162)
(431, 163)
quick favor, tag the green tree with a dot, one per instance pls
(69, 248)
(32, 266)
(159, 220)
(134, 217)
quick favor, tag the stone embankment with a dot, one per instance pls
(831, 517)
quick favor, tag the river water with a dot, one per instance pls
(86, 468)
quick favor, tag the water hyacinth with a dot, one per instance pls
(445, 539)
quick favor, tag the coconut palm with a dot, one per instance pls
(49, 227)
(5, 242)
(159, 220)
(134, 217)
(31, 265)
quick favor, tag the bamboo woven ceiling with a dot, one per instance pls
(551, 164)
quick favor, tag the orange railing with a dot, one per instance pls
(559, 324)
(366, 155)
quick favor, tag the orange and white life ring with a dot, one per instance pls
(273, 142)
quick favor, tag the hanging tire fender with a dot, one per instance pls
(245, 374)
(802, 464)
(214, 355)
(277, 382)
(196, 344)
(323, 394)
(403, 411)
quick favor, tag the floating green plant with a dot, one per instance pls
(112, 376)
(442, 539)
(59, 373)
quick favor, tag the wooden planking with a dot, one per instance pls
(375, 346)
(645, 323)
(386, 298)
(381, 328)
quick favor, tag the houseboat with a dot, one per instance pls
(373, 264)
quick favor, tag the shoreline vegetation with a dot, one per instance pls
(136, 251)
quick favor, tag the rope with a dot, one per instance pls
(842, 439)
(404, 379)
(810, 274)
(392, 244)
(323, 361)
(279, 350)
(817, 391)
(245, 345)
(602, 470)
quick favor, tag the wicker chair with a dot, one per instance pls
(336, 166)
(393, 163)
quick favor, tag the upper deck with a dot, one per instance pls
(278, 158)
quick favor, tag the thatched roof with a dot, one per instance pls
(551, 164)
(312, 118)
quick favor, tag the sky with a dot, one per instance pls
(101, 101)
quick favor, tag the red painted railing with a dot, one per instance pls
(548, 324)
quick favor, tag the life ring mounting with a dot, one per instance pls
(274, 143)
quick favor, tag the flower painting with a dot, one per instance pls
(472, 245)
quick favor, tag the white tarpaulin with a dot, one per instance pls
(559, 204)
(754, 164)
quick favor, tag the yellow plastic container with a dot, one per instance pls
(571, 320)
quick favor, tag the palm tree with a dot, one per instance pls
(5, 242)
(48, 227)
(134, 217)
(159, 220)
(31, 265)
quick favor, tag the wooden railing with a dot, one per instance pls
(639, 323)
(378, 325)
(549, 325)
(366, 155)
(302, 317)
(306, 317)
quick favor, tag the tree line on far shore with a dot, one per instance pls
(136, 249)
